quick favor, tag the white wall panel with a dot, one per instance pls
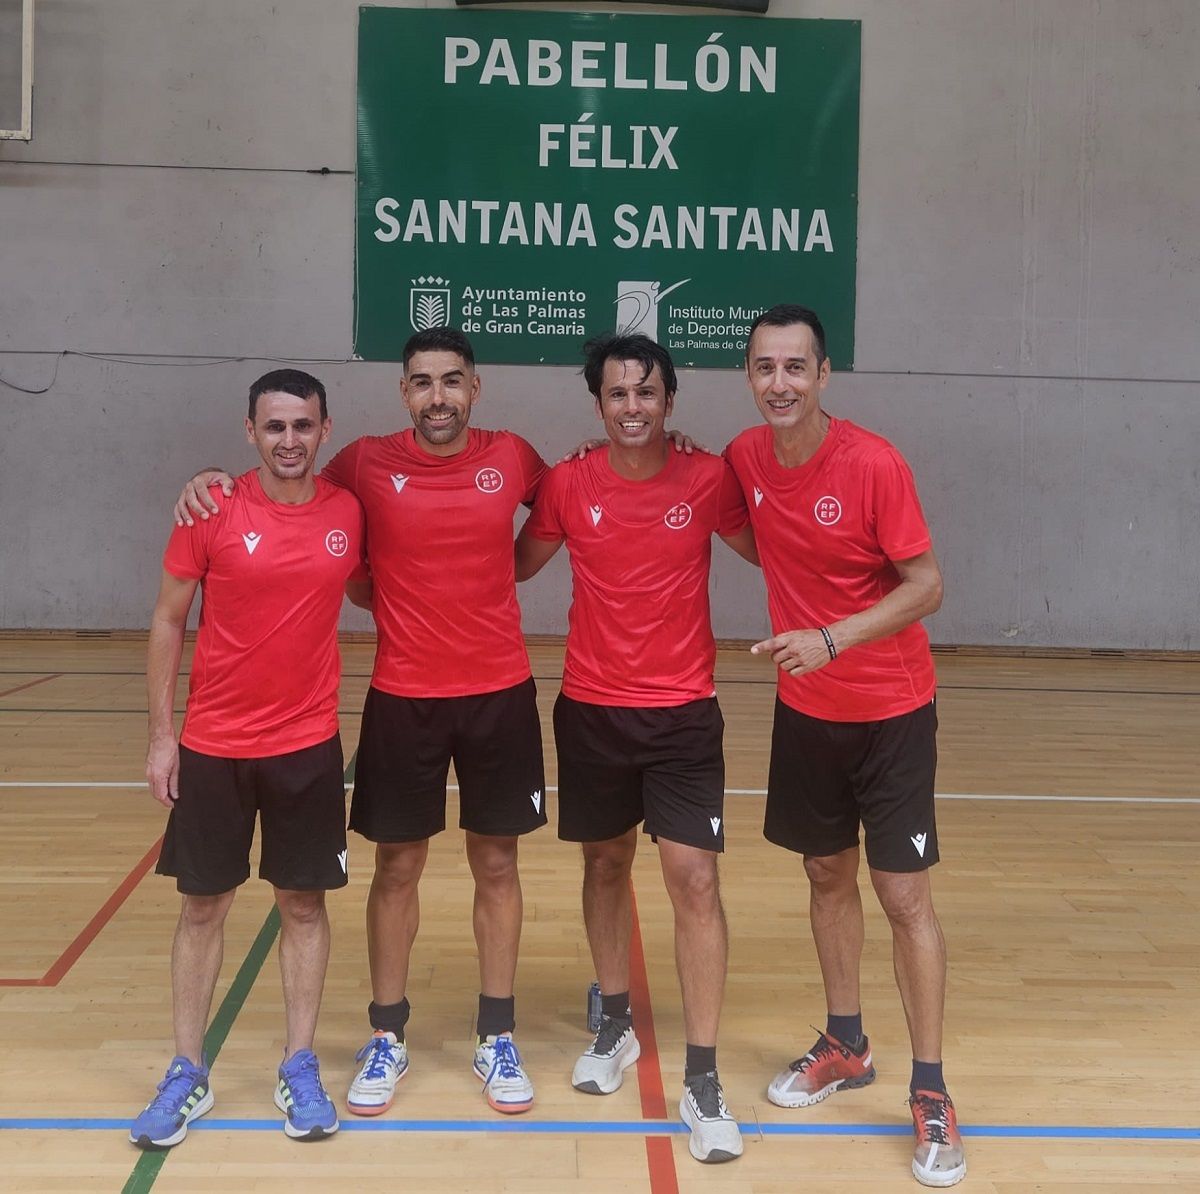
(1029, 199)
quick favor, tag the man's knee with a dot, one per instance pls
(832, 873)
(609, 862)
(691, 878)
(493, 860)
(906, 899)
(399, 864)
(300, 908)
(205, 911)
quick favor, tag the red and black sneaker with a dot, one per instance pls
(938, 1158)
(827, 1067)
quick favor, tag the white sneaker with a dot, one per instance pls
(385, 1062)
(600, 1070)
(498, 1067)
(715, 1135)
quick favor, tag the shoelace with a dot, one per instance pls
(173, 1089)
(706, 1091)
(381, 1057)
(304, 1081)
(931, 1115)
(609, 1034)
(822, 1049)
(506, 1061)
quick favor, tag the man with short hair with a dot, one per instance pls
(451, 682)
(850, 571)
(637, 725)
(260, 736)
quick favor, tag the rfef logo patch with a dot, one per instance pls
(677, 517)
(827, 511)
(489, 480)
(337, 543)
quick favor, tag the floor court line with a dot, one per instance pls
(977, 797)
(31, 684)
(91, 930)
(648, 1128)
(660, 1157)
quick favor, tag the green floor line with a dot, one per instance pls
(149, 1164)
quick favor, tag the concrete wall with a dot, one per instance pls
(1028, 298)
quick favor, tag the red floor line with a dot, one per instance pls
(31, 684)
(91, 930)
(660, 1156)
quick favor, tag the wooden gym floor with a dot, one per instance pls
(1069, 895)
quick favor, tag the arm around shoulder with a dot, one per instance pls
(195, 498)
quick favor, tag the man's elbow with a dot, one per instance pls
(936, 591)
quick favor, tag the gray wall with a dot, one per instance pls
(1028, 297)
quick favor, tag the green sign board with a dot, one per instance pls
(534, 178)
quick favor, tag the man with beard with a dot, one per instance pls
(451, 682)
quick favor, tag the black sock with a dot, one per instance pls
(496, 1015)
(389, 1017)
(927, 1075)
(616, 1007)
(701, 1059)
(847, 1029)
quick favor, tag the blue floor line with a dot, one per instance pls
(637, 1127)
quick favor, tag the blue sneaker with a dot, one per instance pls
(183, 1095)
(302, 1098)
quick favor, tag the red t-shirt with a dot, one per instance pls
(440, 532)
(639, 631)
(827, 533)
(266, 666)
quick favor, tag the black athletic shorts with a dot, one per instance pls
(619, 765)
(828, 776)
(300, 798)
(404, 753)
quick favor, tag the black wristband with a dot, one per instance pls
(829, 643)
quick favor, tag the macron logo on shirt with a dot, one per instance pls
(596, 512)
(758, 496)
(399, 480)
(252, 539)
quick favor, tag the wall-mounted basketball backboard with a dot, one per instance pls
(16, 70)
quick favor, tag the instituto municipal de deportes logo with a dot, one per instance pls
(637, 306)
(429, 303)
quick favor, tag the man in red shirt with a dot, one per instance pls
(451, 682)
(850, 571)
(260, 736)
(637, 726)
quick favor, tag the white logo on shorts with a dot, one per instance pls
(251, 540)
(596, 512)
(918, 840)
(489, 480)
(715, 822)
(536, 797)
(342, 860)
(828, 510)
(337, 543)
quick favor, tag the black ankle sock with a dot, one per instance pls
(496, 1015)
(927, 1075)
(847, 1029)
(389, 1017)
(616, 1007)
(701, 1059)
